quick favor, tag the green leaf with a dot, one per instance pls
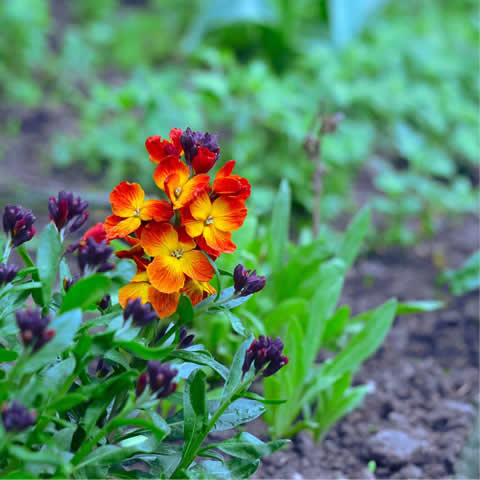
(48, 258)
(234, 378)
(365, 343)
(7, 355)
(354, 237)
(465, 278)
(248, 447)
(144, 352)
(26, 455)
(86, 292)
(229, 470)
(200, 357)
(195, 411)
(67, 402)
(185, 310)
(55, 376)
(279, 230)
(335, 324)
(241, 411)
(236, 323)
(65, 326)
(404, 308)
(107, 455)
(159, 428)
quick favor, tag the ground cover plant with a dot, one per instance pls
(94, 382)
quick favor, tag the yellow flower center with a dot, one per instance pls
(137, 212)
(178, 253)
(208, 221)
(178, 191)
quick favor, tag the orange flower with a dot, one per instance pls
(173, 176)
(215, 221)
(130, 208)
(197, 291)
(175, 257)
(227, 184)
(160, 150)
(164, 304)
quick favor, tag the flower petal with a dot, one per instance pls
(170, 166)
(202, 245)
(133, 291)
(196, 265)
(164, 304)
(204, 160)
(159, 239)
(185, 242)
(175, 134)
(228, 213)
(197, 291)
(166, 274)
(218, 239)
(158, 210)
(126, 198)
(226, 170)
(201, 207)
(190, 190)
(124, 227)
(160, 150)
(193, 227)
(227, 184)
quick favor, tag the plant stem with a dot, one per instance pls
(317, 190)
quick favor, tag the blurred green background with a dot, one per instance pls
(83, 83)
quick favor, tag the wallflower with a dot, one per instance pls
(175, 257)
(164, 304)
(130, 208)
(215, 221)
(197, 291)
(226, 183)
(173, 176)
(161, 149)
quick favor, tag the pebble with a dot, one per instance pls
(410, 472)
(394, 447)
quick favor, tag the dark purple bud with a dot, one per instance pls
(95, 256)
(265, 352)
(191, 141)
(142, 313)
(331, 122)
(66, 209)
(185, 340)
(33, 328)
(247, 282)
(7, 273)
(105, 302)
(98, 367)
(68, 282)
(17, 418)
(141, 384)
(160, 378)
(18, 224)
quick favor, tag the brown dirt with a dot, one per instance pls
(425, 376)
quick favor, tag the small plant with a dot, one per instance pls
(99, 376)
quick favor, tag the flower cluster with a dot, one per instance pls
(265, 352)
(18, 224)
(67, 210)
(7, 273)
(247, 282)
(159, 377)
(169, 237)
(33, 328)
(16, 417)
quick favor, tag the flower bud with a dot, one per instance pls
(201, 149)
(68, 282)
(265, 352)
(142, 313)
(247, 282)
(33, 328)
(7, 273)
(17, 418)
(160, 378)
(141, 383)
(18, 224)
(95, 256)
(66, 209)
(185, 340)
(105, 302)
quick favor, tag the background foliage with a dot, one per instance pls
(257, 72)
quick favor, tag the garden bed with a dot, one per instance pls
(424, 378)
